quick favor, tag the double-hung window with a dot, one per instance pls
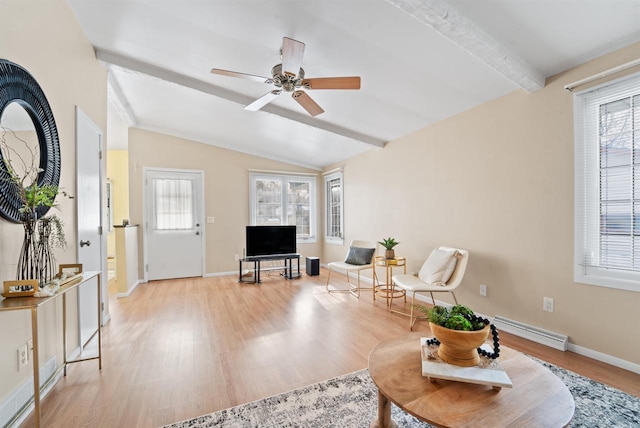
(607, 200)
(334, 208)
(278, 199)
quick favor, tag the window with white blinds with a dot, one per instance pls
(284, 200)
(333, 208)
(607, 202)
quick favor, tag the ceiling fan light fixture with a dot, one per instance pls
(284, 79)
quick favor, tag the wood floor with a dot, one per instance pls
(182, 348)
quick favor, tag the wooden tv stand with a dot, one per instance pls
(257, 260)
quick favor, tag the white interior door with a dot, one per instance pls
(89, 214)
(173, 223)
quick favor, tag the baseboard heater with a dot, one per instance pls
(536, 334)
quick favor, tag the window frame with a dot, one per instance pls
(339, 240)
(587, 187)
(286, 178)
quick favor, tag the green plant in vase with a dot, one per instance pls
(459, 333)
(36, 259)
(388, 244)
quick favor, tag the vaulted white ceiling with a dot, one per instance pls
(421, 61)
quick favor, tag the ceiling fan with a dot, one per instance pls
(289, 77)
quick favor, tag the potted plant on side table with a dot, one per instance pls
(388, 244)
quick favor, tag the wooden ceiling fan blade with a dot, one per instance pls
(263, 100)
(241, 75)
(307, 103)
(292, 52)
(351, 82)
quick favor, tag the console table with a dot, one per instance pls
(32, 304)
(257, 260)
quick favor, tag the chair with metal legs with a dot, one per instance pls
(360, 257)
(441, 272)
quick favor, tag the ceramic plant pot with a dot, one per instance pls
(459, 347)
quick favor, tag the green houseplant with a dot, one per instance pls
(41, 234)
(459, 333)
(388, 244)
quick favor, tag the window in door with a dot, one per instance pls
(174, 204)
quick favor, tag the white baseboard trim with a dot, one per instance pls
(75, 354)
(128, 293)
(210, 275)
(105, 319)
(598, 356)
(609, 359)
(14, 409)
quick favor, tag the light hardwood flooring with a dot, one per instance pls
(178, 349)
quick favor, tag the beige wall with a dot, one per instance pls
(226, 188)
(498, 181)
(45, 38)
(118, 174)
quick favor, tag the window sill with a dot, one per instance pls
(628, 284)
(334, 241)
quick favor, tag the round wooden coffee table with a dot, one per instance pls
(538, 397)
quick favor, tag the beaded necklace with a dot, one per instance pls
(494, 332)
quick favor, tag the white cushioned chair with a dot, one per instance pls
(361, 256)
(441, 272)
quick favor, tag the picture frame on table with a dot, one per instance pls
(67, 270)
(20, 288)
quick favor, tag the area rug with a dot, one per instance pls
(351, 401)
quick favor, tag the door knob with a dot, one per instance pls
(83, 243)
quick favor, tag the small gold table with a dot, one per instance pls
(32, 304)
(387, 289)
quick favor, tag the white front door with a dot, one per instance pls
(173, 223)
(89, 212)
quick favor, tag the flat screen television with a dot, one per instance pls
(270, 240)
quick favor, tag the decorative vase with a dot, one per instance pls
(459, 347)
(45, 261)
(389, 254)
(28, 260)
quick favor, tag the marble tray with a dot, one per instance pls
(487, 372)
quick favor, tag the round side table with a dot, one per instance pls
(387, 290)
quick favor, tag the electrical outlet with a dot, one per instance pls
(211, 220)
(547, 304)
(483, 290)
(23, 356)
(236, 257)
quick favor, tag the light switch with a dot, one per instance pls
(211, 219)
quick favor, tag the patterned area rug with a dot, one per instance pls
(351, 401)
